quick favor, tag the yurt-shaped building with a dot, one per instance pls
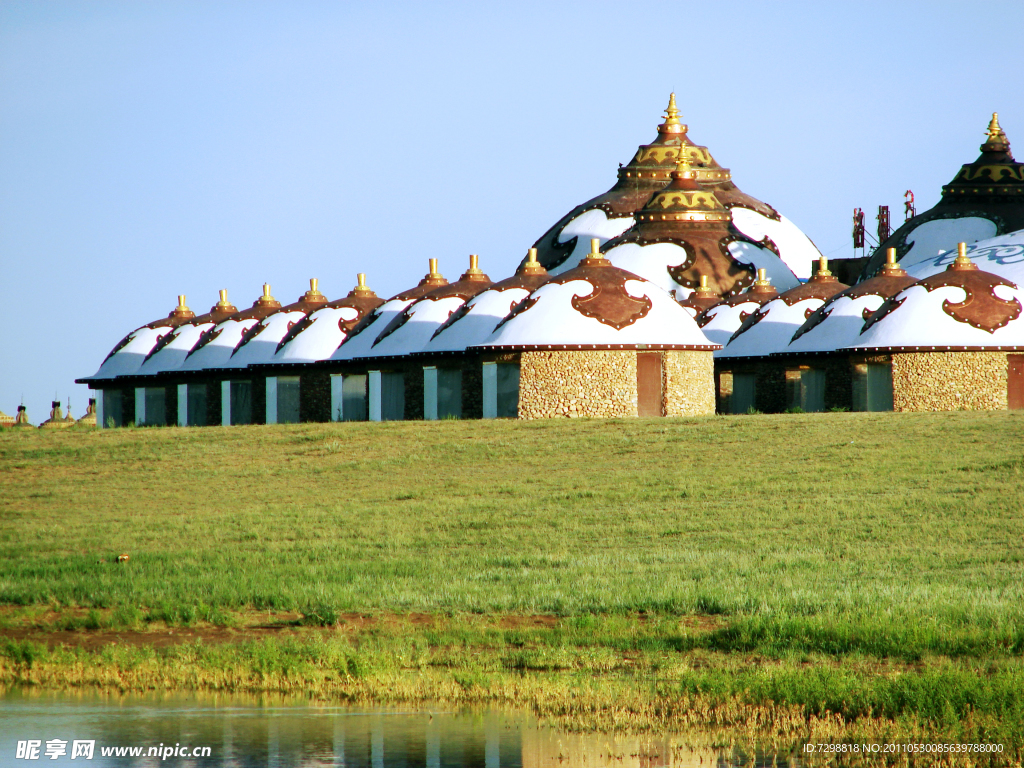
(408, 332)
(229, 398)
(161, 399)
(747, 378)
(984, 199)
(597, 341)
(609, 215)
(951, 341)
(452, 377)
(314, 338)
(834, 325)
(116, 402)
(275, 400)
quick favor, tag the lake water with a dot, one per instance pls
(164, 730)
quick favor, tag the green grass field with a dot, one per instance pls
(870, 565)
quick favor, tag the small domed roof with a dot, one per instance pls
(410, 330)
(5, 420)
(320, 333)
(771, 327)
(597, 306)
(259, 342)
(216, 345)
(701, 299)
(474, 321)
(170, 352)
(128, 356)
(984, 199)
(361, 338)
(962, 308)
(839, 321)
(56, 420)
(610, 214)
(720, 321)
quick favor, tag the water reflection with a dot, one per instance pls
(245, 732)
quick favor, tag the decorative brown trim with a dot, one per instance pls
(999, 348)
(593, 347)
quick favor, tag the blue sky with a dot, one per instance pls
(150, 149)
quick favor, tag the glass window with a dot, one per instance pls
(287, 399)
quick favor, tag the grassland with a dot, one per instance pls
(859, 573)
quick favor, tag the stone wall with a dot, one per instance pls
(949, 381)
(213, 403)
(571, 384)
(472, 389)
(259, 399)
(688, 383)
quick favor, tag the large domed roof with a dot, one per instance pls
(961, 308)
(771, 327)
(318, 335)
(838, 322)
(597, 306)
(475, 320)
(1002, 255)
(215, 347)
(984, 199)
(685, 234)
(130, 353)
(610, 214)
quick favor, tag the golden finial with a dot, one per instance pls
(433, 266)
(531, 266)
(531, 256)
(703, 282)
(223, 298)
(361, 288)
(962, 261)
(312, 285)
(890, 257)
(995, 133)
(474, 265)
(361, 280)
(266, 291)
(595, 248)
(671, 113)
(823, 267)
(181, 302)
(672, 123)
(762, 278)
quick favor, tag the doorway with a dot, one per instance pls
(1015, 382)
(649, 385)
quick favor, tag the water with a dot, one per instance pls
(164, 730)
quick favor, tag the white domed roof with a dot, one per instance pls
(771, 327)
(410, 330)
(721, 321)
(838, 322)
(1003, 256)
(172, 350)
(597, 306)
(475, 320)
(961, 308)
(360, 339)
(318, 335)
(260, 341)
(217, 344)
(130, 353)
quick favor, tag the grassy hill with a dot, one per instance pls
(824, 544)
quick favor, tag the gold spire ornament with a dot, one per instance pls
(531, 266)
(362, 289)
(474, 265)
(762, 279)
(995, 133)
(962, 261)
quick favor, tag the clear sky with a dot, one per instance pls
(155, 148)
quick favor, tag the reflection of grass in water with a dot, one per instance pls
(887, 537)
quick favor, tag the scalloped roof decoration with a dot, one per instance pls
(962, 307)
(318, 335)
(259, 342)
(131, 352)
(411, 330)
(597, 305)
(771, 327)
(839, 321)
(475, 320)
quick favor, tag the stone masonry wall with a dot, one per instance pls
(949, 381)
(689, 383)
(572, 384)
(314, 396)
